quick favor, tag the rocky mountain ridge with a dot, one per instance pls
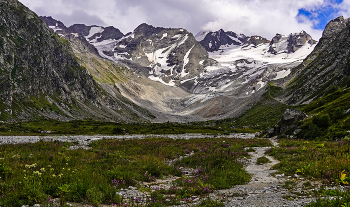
(170, 54)
(41, 77)
(213, 41)
(216, 82)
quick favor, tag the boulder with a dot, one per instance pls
(289, 120)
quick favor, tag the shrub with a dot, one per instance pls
(321, 120)
(262, 160)
(313, 132)
(94, 196)
(330, 90)
(338, 113)
(210, 203)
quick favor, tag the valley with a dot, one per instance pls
(90, 116)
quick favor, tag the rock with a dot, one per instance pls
(271, 132)
(36, 205)
(296, 175)
(289, 120)
(335, 26)
(290, 43)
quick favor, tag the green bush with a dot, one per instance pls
(321, 120)
(338, 113)
(210, 203)
(262, 160)
(94, 196)
(313, 132)
(330, 90)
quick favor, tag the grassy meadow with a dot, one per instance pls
(39, 172)
(327, 162)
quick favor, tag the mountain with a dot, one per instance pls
(42, 79)
(204, 84)
(169, 54)
(327, 65)
(214, 41)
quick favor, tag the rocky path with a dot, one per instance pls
(263, 190)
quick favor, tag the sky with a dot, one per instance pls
(250, 17)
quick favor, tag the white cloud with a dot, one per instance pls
(344, 8)
(261, 17)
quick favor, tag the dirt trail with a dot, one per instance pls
(263, 190)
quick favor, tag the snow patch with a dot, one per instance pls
(183, 40)
(164, 36)
(201, 35)
(171, 83)
(94, 30)
(186, 60)
(282, 74)
(262, 85)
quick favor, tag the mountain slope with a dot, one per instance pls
(41, 77)
(327, 65)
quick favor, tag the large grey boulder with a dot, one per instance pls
(289, 120)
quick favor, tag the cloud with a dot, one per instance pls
(344, 8)
(261, 17)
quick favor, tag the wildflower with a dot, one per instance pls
(343, 177)
(42, 169)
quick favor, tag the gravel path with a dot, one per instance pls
(85, 139)
(263, 190)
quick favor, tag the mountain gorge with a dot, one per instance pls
(156, 74)
(211, 76)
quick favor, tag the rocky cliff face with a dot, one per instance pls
(214, 41)
(327, 65)
(170, 54)
(41, 77)
(165, 55)
(290, 43)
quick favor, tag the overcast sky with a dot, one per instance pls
(250, 17)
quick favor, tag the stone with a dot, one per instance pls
(289, 119)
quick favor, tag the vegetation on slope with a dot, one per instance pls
(265, 113)
(329, 116)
